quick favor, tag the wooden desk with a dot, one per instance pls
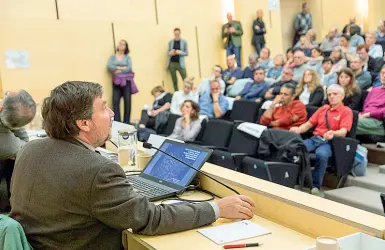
(295, 218)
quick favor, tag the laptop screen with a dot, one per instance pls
(165, 168)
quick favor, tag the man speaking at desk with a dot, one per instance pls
(67, 196)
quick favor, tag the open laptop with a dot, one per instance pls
(163, 176)
(157, 141)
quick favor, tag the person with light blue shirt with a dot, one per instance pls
(216, 74)
(329, 76)
(275, 72)
(355, 40)
(375, 50)
(213, 104)
(264, 60)
(254, 91)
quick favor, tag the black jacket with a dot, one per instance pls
(317, 97)
(258, 35)
(285, 146)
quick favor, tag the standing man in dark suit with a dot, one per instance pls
(232, 33)
(67, 196)
(303, 22)
(177, 51)
(259, 31)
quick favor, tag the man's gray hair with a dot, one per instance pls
(253, 56)
(362, 60)
(18, 110)
(372, 33)
(290, 87)
(337, 87)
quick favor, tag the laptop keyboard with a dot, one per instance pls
(146, 189)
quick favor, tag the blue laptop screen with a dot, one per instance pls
(167, 169)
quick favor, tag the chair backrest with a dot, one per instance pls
(260, 114)
(217, 133)
(170, 124)
(203, 127)
(364, 94)
(241, 142)
(245, 111)
(353, 130)
(255, 167)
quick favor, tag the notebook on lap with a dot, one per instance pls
(163, 176)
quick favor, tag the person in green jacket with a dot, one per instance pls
(232, 33)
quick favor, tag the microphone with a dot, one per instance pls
(149, 146)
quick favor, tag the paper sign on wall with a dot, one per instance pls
(17, 59)
(273, 5)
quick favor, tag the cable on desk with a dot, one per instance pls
(178, 198)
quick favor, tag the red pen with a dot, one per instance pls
(242, 245)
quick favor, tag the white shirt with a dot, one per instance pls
(305, 95)
(178, 99)
(375, 51)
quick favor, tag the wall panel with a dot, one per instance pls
(27, 9)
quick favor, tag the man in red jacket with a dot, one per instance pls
(285, 112)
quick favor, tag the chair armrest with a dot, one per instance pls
(214, 147)
(238, 158)
(238, 121)
(195, 142)
(288, 164)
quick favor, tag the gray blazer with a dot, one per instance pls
(68, 197)
(183, 49)
(11, 141)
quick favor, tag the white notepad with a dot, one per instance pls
(233, 231)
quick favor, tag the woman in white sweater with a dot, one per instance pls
(188, 126)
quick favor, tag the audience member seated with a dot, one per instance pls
(216, 74)
(329, 77)
(355, 38)
(233, 72)
(304, 45)
(213, 104)
(157, 115)
(254, 91)
(330, 41)
(188, 126)
(285, 112)
(264, 60)
(352, 92)
(371, 118)
(16, 110)
(180, 96)
(275, 88)
(289, 58)
(315, 62)
(338, 62)
(329, 121)
(299, 65)
(309, 90)
(248, 72)
(373, 66)
(380, 36)
(347, 51)
(66, 195)
(352, 21)
(274, 72)
(363, 78)
(375, 50)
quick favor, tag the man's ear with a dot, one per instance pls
(83, 125)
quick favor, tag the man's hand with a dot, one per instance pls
(177, 52)
(173, 52)
(269, 94)
(236, 207)
(274, 123)
(295, 118)
(215, 97)
(276, 100)
(258, 100)
(232, 30)
(329, 135)
(226, 30)
(364, 115)
(154, 113)
(257, 27)
(296, 130)
(238, 97)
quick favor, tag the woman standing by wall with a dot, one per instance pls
(259, 32)
(120, 66)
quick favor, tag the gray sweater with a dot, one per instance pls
(11, 141)
(188, 133)
(68, 197)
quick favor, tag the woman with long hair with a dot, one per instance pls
(347, 80)
(309, 90)
(188, 126)
(120, 67)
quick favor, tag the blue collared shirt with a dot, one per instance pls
(207, 105)
(253, 90)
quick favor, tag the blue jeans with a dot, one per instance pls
(232, 50)
(323, 152)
